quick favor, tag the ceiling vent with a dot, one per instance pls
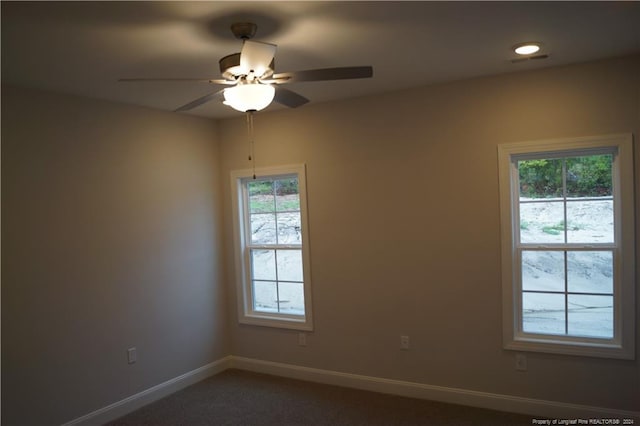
(529, 58)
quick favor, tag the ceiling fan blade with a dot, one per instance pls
(195, 80)
(325, 74)
(202, 100)
(288, 97)
(256, 56)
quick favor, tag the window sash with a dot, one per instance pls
(276, 279)
(566, 293)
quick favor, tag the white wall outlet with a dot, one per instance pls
(521, 362)
(302, 339)
(132, 355)
(404, 343)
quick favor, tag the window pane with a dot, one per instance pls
(265, 296)
(287, 197)
(542, 222)
(263, 228)
(289, 228)
(589, 176)
(591, 316)
(290, 265)
(590, 221)
(543, 270)
(261, 198)
(263, 265)
(540, 178)
(543, 313)
(590, 271)
(291, 298)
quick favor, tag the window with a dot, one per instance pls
(272, 248)
(567, 246)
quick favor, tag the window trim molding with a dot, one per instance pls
(246, 313)
(622, 346)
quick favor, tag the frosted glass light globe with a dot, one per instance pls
(249, 97)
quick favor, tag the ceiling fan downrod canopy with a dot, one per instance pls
(244, 30)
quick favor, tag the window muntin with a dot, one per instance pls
(272, 247)
(567, 279)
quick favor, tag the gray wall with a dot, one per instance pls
(110, 239)
(404, 227)
(116, 232)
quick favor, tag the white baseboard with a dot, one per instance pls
(132, 403)
(534, 407)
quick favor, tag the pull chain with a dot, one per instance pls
(251, 141)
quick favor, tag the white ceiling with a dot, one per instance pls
(84, 47)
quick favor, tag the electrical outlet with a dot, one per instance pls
(302, 339)
(404, 343)
(132, 355)
(521, 362)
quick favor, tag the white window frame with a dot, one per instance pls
(242, 235)
(622, 345)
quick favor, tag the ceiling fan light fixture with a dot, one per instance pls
(528, 48)
(249, 97)
(251, 73)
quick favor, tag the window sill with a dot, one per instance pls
(266, 320)
(593, 349)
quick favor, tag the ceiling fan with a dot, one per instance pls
(252, 80)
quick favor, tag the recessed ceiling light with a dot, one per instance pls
(528, 48)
